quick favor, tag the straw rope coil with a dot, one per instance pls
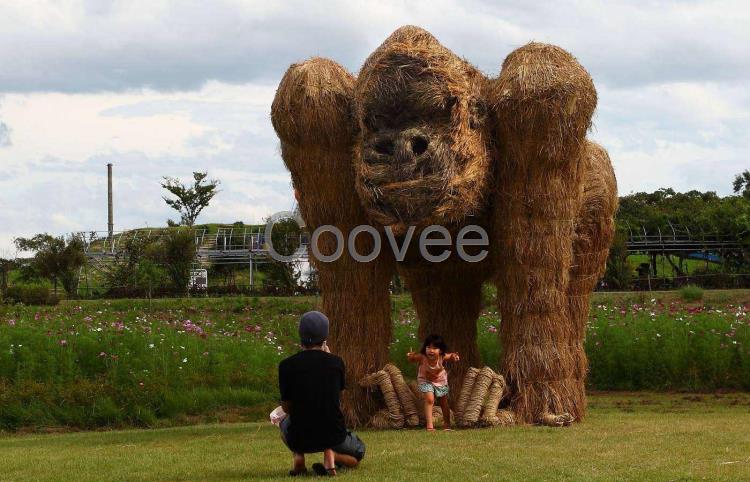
(463, 397)
(405, 395)
(476, 400)
(494, 395)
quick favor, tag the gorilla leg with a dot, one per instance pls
(543, 102)
(312, 116)
(595, 229)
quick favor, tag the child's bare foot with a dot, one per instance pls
(430, 429)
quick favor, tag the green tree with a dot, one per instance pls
(190, 199)
(6, 265)
(149, 275)
(56, 258)
(741, 184)
(695, 214)
(136, 266)
(619, 273)
(280, 277)
(175, 252)
(286, 236)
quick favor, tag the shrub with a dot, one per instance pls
(177, 254)
(691, 293)
(55, 258)
(619, 272)
(30, 295)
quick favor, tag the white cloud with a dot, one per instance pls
(4, 135)
(681, 135)
(167, 88)
(55, 174)
(85, 46)
(73, 128)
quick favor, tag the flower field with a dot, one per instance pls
(127, 362)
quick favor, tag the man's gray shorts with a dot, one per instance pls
(352, 445)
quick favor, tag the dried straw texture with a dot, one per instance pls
(595, 229)
(413, 87)
(405, 396)
(312, 116)
(382, 380)
(466, 389)
(494, 395)
(381, 420)
(551, 204)
(505, 418)
(543, 101)
(556, 420)
(473, 409)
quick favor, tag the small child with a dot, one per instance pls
(432, 377)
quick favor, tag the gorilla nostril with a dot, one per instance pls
(419, 145)
(384, 146)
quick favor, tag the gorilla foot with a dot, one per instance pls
(556, 420)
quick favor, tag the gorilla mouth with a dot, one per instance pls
(395, 199)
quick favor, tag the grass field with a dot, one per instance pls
(120, 363)
(641, 436)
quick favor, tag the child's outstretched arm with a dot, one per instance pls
(414, 357)
(452, 357)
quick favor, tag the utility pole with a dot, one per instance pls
(110, 215)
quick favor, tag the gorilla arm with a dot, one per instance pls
(542, 104)
(312, 116)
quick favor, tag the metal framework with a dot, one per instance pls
(246, 246)
(229, 245)
(683, 243)
(676, 239)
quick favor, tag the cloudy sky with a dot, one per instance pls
(166, 88)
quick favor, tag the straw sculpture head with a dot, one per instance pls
(421, 156)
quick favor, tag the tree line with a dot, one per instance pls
(167, 260)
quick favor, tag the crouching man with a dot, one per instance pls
(310, 383)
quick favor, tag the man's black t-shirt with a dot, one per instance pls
(311, 381)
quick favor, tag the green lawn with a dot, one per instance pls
(641, 436)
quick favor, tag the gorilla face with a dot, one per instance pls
(421, 157)
(406, 149)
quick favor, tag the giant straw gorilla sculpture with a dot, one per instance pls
(422, 137)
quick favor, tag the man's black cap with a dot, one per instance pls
(313, 328)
